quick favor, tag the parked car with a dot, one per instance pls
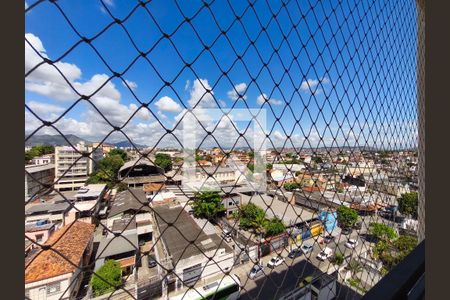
(307, 248)
(296, 252)
(256, 271)
(152, 261)
(346, 231)
(325, 254)
(351, 243)
(226, 237)
(275, 261)
(328, 239)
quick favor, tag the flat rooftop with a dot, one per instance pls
(38, 168)
(90, 190)
(178, 229)
(289, 214)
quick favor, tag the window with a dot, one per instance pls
(53, 288)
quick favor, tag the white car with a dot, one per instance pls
(256, 271)
(325, 254)
(351, 243)
(275, 261)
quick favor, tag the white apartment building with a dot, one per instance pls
(71, 169)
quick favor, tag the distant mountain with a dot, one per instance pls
(54, 140)
(127, 144)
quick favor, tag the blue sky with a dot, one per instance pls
(342, 67)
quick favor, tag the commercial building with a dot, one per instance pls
(53, 275)
(72, 168)
(190, 260)
(136, 173)
(36, 177)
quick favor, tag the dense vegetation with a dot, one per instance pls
(207, 205)
(109, 278)
(36, 151)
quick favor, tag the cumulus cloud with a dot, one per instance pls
(201, 94)
(44, 109)
(133, 85)
(161, 115)
(168, 104)
(46, 80)
(237, 93)
(312, 85)
(261, 99)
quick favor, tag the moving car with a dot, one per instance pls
(328, 239)
(256, 271)
(307, 248)
(275, 261)
(151, 261)
(296, 252)
(351, 243)
(325, 254)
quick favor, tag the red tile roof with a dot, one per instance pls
(70, 241)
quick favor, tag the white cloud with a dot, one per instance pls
(168, 104)
(312, 85)
(109, 2)
(161, 115)
(44, 109)
(237, 93)
(45, 80)
(201, 94)
(26, 5)
(261, 99)
(133, 85)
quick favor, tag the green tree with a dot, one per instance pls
(109, 278)
(382, 232)
(207, 205)
(107, 170)
(291, 186)
(164, 161)
(338, 258)
(354, 267)
(269, 166)
(38, 151)
(408, 203)
(120, 152)
(317, 159)
(251, 217)
(273, 227)
(346, 216)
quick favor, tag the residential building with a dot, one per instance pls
(231, 200)
(124, 248)
(190, 261)
(43, 160)
(87, 203)
(105, 148)
(36, 179)
(40, 231)
(53, 275)
(55, 213)
(72, 168)
(132, 203)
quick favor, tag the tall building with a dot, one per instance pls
(36, 177)
(72, 169)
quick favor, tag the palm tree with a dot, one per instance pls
(354, 267)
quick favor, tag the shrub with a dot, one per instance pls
(111, 278)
